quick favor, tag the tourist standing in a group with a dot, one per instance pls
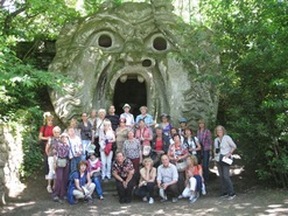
(45, 133)
(205, 138)
(145, 136)
(75, 149)
(93, 116)
(121, 134)
(160, 145)
(165, 124)
(224, 147)
(50, 152)
(148, 119)
(183, 125)
(132, 151)
(114, 118)
(97, 127)
(192, 144)
(106, 140)
(174, 131)
(128, 116)
(86, 134)
(74, 124)
(62, 149)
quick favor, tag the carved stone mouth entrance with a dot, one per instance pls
(130, 91)
(130, 54)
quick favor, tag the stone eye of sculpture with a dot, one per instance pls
(124, 55)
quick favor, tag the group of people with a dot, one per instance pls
(142, 156)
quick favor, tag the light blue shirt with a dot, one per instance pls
(148, 119)
(167, 174)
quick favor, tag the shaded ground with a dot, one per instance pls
(251, 200)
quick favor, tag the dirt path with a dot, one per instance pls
(250, 200)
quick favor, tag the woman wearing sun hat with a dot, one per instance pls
(128, 116)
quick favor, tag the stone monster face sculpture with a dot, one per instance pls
(125, 54)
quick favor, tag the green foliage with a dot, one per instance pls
(250, 37)
(33, 159)
(22, 86)
(254, 97)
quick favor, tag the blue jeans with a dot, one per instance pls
(98, 188)
(205, 165)
(74, 163)
(85, 143)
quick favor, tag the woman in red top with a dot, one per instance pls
(194, 179)
(160, 145)
(45, 133)
(144, 135)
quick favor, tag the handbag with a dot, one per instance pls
(108, 148)
(61, 162)
(181, 166)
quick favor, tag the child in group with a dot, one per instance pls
(94, 167)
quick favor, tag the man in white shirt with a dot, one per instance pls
(167, 178)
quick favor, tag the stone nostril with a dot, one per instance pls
(146, 63)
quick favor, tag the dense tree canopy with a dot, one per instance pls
(254, 98)
(250, 34)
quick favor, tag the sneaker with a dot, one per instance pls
(231, 196)
(144, 199)
(174, 200)
(162, 193)
(49, 189)
(101, 197)
(193, 199)
(151, 200)
(203, 189)
(180, 197)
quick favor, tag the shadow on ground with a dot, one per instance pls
(251, 200)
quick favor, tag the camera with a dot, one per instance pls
(217, 150)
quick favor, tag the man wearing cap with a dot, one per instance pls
(148, 119)
(128, 116)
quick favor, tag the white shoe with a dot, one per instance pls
(162, 193)
(203, 189)
(194, 199)
(144, 199)
(49, 189)
(191, 197)
(151, 200)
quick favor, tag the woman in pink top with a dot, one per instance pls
(144, 135)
